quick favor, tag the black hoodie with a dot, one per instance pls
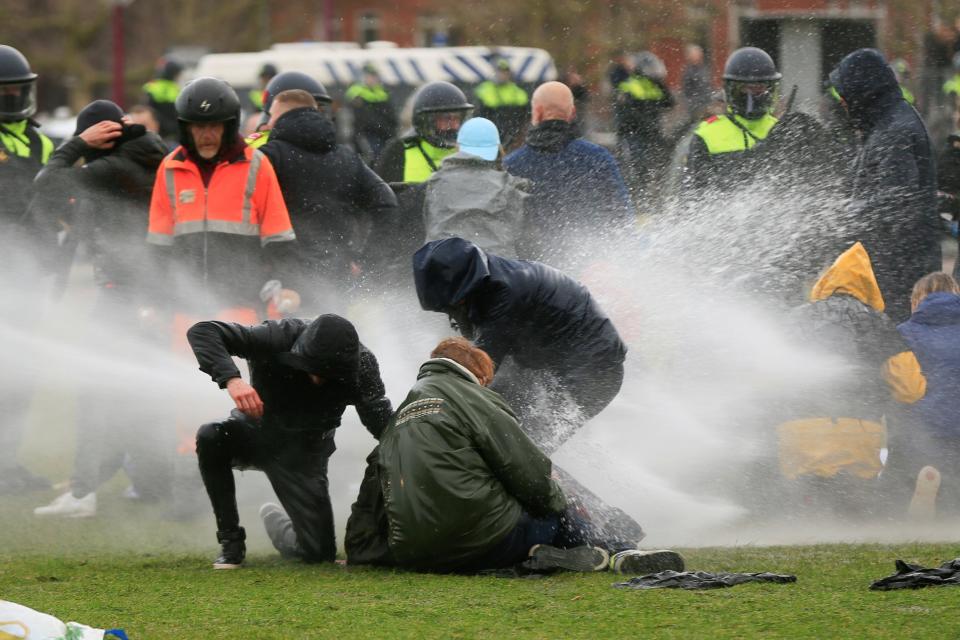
(328, 190)
(110, 191)
(280, 353)
(527, 310)
(893, 211)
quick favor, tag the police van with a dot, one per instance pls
(402, 70)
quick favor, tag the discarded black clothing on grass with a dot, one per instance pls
(700, 580)
(913, 576)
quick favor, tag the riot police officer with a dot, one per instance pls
(504, 103)
(162, 94)
(374, 119)
(23, 149)
(721, 144)
(23, 152)
(284, 82)
(439, 109)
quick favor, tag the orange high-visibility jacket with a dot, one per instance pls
(243, 198)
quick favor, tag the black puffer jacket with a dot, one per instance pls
(328, 191)
(111, 194)
(527, 310)
(894, 191)
(291, 402)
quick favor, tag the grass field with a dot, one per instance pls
(129, 569)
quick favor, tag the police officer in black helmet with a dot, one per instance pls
(751, 85)
(23, 149)
(23, 152)
(439, 108)
(284, 82)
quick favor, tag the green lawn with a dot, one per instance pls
(120, 570)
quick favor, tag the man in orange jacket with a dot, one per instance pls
(219, 220)
(218, 206)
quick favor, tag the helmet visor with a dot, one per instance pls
(752, 99)
(18, 101)
(440, 128)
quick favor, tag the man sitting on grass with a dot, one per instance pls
(465, 489)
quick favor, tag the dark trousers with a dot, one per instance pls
(129, 435)
(553, 406)
(560, 530)
(295, 464)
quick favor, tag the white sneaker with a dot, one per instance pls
(66, 506)
(923, 506)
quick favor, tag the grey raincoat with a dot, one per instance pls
(470, 198)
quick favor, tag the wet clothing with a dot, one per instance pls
(162, 97)
(578, 191)
(470, 198)
(295, 436)
(23, 152)
(222, 221)
(328, 191)
(111, 191)
(410, 159)
(915, 576)
(894, 186)
(292, 403)
(506, 105)
(559, 343)
(839, 428)
(457, 471)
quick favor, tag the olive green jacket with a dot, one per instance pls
(457, 471)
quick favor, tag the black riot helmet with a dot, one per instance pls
(751, 83)
(208, 99)
(287, 81)
(169, 69)
(18, 86)
(434, 99)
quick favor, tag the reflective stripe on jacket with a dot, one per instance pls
(243, 198)
(493, 95)
(721, 135)
(421, 159)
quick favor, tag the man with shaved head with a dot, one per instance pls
(578, 191)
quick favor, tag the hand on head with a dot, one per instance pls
(102, 134)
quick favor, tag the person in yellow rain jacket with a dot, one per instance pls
(829, 450)
(925, 457)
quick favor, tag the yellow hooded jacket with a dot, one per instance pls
(825, 446)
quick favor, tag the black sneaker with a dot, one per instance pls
(232, 549)
(639, 563)
(544, 557)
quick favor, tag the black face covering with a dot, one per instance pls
(18, 104)
(748, 102)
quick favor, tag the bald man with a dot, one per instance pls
(578, 190)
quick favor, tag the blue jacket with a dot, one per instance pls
(577, 190)
(534, 313)
(933, 334)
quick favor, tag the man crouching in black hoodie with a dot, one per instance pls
(303, 374)
(331, 194)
